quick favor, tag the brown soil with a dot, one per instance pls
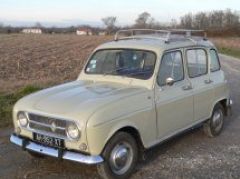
(43, 59)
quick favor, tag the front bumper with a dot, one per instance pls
(53, 152)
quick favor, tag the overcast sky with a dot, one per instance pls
(91, 11)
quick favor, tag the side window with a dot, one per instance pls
(215, 65)
(171, 66)
(196, 62)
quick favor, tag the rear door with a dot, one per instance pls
(199, 75)
(174, 103)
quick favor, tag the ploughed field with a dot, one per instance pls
(43, 59)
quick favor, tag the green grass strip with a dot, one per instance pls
(231, 52)
(7, 102)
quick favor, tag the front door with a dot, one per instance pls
(174, 102)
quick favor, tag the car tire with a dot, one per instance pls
(35, 155)
(120, 157)
(214, 125)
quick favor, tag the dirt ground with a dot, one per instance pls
(192, 155)
(43, 59)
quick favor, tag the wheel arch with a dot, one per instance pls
(223, 103)
(130, 129)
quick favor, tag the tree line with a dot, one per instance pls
(216, 22)
(211, 20)
(219, 22)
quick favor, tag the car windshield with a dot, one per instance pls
(122, 62)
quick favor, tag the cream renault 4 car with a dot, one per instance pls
(137, 91)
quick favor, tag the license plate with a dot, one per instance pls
(49, 141)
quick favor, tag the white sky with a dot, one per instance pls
(93, 10)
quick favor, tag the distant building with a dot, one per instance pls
(84, 31)
(32, 31)
(102, 33)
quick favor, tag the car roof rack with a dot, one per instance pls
(164, 35)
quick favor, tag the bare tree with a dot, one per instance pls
(216, 19)
(174, 23)
(187, 21)
(110, 23)
(231, 19)
(144, 20)
(38, 25)
(201, 21)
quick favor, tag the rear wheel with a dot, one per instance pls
(120, 156)
(214, 125)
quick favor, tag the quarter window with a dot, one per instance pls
(196, 62)
(171, 66)
(215, 65)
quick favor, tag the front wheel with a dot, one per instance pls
(214, 125)
(120, 156)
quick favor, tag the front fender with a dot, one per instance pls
(118, 127)
(142, 121)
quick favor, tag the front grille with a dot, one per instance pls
(47, 124)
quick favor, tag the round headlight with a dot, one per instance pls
(22, 119)
(73, 131)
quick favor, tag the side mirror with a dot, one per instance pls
(169, 81)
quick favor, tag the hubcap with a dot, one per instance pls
(217, 120)
(121, 158)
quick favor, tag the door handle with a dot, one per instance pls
(208, 81)
(188, 87)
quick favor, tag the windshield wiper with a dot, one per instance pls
(127, 74)
(136, 73)
(112, 71)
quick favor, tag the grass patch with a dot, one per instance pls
(231, 52)
(7, 102)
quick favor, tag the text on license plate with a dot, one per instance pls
(50, 141)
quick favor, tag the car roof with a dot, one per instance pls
(154, 44)
(157, 40)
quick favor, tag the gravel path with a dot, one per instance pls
(192, 155)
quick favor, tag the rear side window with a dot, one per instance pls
(215, 65)
(171, 66)
(196, 62)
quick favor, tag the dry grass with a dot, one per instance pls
(233, 42)
(229, 46)
(42, 59)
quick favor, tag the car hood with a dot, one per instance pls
(78, 99)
